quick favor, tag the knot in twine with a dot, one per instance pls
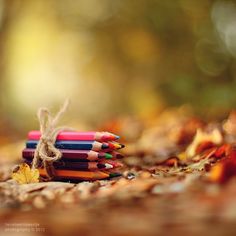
(45, 149)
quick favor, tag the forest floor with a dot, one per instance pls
(174, 182)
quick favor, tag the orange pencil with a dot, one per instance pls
(76, 175)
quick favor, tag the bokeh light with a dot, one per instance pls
(115, 59)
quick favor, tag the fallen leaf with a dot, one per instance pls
(25, 175)
(186, 133)
(172, 161)
(216, 173)
(200, 165)
(224, 170)
(204, 146)
(182, 156)
(214, 137)
(222, 151)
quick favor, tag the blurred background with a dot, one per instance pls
(115, 60)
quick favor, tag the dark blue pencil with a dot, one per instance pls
(74, 145)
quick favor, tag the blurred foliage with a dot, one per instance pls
(115, 58)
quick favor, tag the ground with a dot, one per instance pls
(168, 187)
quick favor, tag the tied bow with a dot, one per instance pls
(45, 149)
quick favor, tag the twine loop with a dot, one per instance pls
(45, 150)
(45, 139)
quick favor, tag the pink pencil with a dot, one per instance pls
(77, 136)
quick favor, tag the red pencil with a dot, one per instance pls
(67, 154)
(77, 136)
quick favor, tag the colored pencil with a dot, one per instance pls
(74, 145)
(114, 163)
(77, 175)
(116, 155)
(77, 136)
(81, 155)
(114, 174)
(115, 145)
(79, 165)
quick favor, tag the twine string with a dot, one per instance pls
(45, 149)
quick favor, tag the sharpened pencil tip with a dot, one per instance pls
(108, 166)
(119, 155)
(119, 146)
(117, 136)
(108, 156)
(104, 166)
(105, 145)
(101, 166)
(115, 145)
(112, 175)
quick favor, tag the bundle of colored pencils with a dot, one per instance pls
(85, 155)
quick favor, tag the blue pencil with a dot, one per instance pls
(73, 145)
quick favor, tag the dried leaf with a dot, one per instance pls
(216, 173)
(172, 161)
(200, 165)
(204, 146)
(182, 156)
(201, 136)
(225, 169)
(25, 175)
(222, 151)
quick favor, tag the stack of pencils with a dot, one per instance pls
(85, 155)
